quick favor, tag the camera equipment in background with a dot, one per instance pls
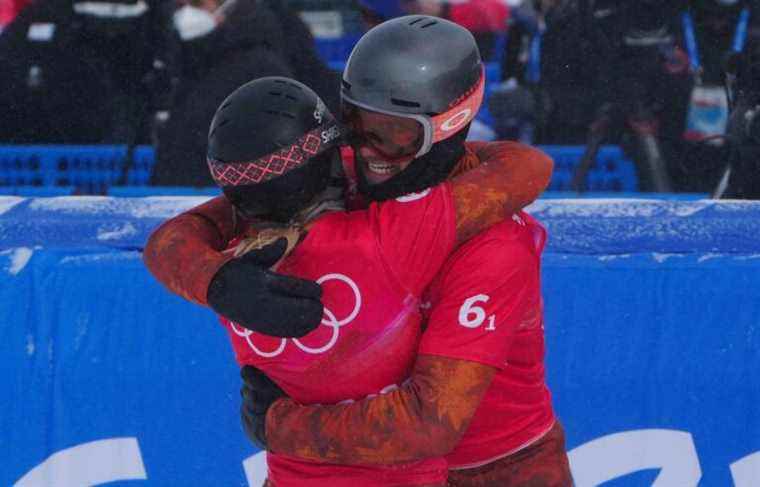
(741, 177)
(632, 42)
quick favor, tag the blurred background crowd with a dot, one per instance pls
(650, 76)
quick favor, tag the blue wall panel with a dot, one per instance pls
(651, 320)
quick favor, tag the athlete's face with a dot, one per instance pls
(384, 145)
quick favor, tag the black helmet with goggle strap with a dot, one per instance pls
(271, 147)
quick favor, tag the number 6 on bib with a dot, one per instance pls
(471, 316)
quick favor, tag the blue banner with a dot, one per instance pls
(651, 321)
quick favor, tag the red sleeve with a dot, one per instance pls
(185, 252)
(424, 418)
(506, 177)
(416, 233)
(487, 292)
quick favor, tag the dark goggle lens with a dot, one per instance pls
(390, 135)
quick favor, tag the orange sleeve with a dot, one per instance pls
(424, 418)
(184, 252)
(510, 176)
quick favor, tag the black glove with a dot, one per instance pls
(245, 291)
(258, 393)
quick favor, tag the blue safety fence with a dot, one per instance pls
(613, 170)
(91, 167)
(652, 347)
(60, 170)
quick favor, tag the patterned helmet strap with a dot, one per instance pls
(279, 162)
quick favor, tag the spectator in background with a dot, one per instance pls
(615, 72)
(301, 53)
(742, 176)
(513, 103)
(377, 11)
(83, 72)
(587, 62)
(224, 45)
(485, 19)
(566, 76)
(9, 9)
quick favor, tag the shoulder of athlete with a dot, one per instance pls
(516, 227)
(489, 151)
(511, 243)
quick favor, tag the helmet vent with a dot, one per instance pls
(288, 83)
(405, 103)
(289, 97)
(430, 22)
(281, 114)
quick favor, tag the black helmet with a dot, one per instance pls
(419, 68)
(271, 145)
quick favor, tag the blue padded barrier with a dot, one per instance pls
(92, 169)
(651, 323)
(613, 171)
(100, 169)
(143, 158)
(38, 191)
(554, 195)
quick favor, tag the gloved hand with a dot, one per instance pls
(258, 393)
(245, 291)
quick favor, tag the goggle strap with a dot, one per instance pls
(464, 112)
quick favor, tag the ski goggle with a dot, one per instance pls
(395, 135)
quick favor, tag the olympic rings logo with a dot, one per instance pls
(329, 319)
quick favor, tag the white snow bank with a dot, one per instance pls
(8, 202)
(19, 257)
